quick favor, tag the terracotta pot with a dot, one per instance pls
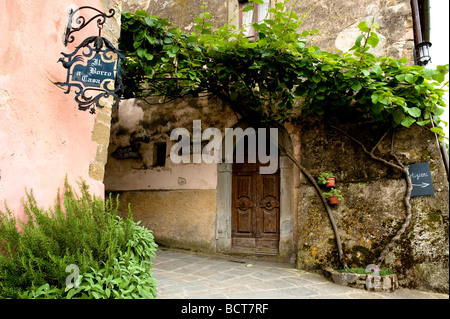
(333, 200)
(331, 182)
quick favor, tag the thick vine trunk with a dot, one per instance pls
(324, 202)
(406, 198)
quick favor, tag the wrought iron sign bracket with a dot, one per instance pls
(94, 67)
(81, 22)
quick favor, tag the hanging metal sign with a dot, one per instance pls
(95, 72)
(94, 67)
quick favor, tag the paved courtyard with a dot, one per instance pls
(184, 275)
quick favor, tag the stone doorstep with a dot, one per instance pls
(363, 281)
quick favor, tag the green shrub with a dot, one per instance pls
(113, 254)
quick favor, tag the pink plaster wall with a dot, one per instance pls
(43, 135)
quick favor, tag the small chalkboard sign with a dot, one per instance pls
(420, 176)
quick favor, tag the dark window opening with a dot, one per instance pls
(159, 154)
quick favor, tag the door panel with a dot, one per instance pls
(269, 205)
(243, 199)
(255, 209)
(269, 224)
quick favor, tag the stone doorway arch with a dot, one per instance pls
(224, 201)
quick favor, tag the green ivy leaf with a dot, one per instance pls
(141, 52)
(326, 68)
(363, 27)
(410, 78)
(356, 86)
(357, 42)
(438, 111)
(149, 39)
(374, 98)
(414, 111)
(148, 56)
(247, 8)
(377, 108)
(278, 5)
(141, 13)
(422, 123)
(377, 69)
(373, 40)
(149, 21)
(317, 78)
(134, 26)
(398, 116)
(400, 77)
(429, 72)
(438, 130)
(407, 121)
(439, 77)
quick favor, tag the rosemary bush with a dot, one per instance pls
(113, 254)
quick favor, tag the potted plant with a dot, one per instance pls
(334, 196)
(327, 179)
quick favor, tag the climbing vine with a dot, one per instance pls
(281, 76)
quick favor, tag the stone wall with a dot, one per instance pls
(338, 23)
(138, 126)
(102, 125)
(176, 201)
(372, 209)
(182, 219)
(180, 12)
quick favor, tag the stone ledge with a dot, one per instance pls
(362, 281)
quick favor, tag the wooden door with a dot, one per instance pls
(255, 210)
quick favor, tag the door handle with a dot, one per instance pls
(269, 203)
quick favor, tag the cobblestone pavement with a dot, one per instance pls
(184, 275)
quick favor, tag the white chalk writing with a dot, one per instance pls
(418, 175)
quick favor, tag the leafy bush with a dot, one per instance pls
(113, 254)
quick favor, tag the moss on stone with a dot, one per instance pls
(434, 217)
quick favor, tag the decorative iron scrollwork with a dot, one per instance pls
(94, 67)
(80, 22)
